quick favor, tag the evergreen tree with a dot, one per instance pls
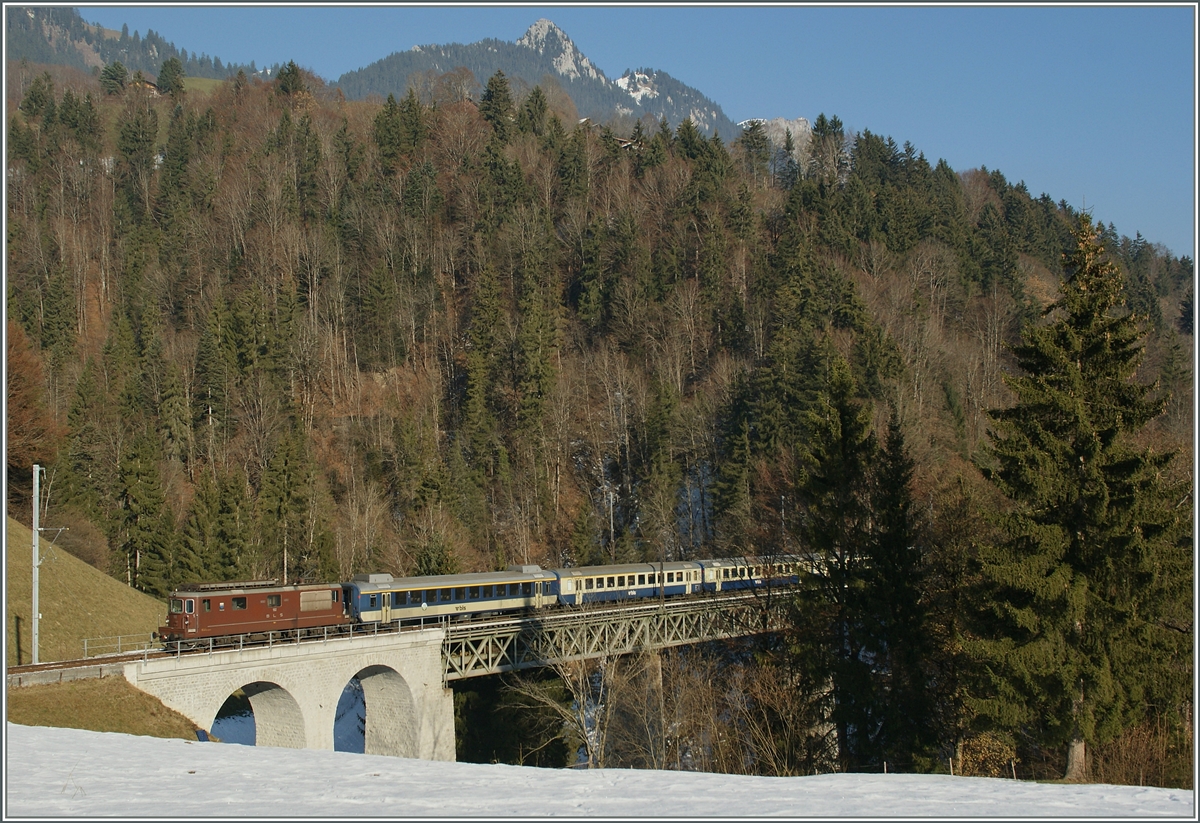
(113, 78)
(170, 79)
(147, 528)
(496, 107)
(1096, 541)
(898, 632)
(285, 504)
(832, 521)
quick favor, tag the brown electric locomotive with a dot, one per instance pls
(203, 610)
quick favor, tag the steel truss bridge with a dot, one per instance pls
(474, 649)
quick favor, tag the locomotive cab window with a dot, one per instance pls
(274, 600)
(239, 604)
(176, 606)
(189, 605)
(207, 604)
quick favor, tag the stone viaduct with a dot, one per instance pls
(294, 687)
(294, 690)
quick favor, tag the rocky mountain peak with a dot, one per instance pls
(546, 38)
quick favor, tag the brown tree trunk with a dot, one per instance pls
(1076, 762)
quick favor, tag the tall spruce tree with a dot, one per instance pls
(1077, 627)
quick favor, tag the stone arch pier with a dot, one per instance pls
(294, 690)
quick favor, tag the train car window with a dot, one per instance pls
(473, 592)
(612, 582)
(621, 581)
(546, 587)
(372, 601)
(460, 594)
(670, 577)
(589, 583)
(239, 604)
(445, 596)
(207, 605)
(527, 589)
(274, 599)
(397, 599)
(641, 580)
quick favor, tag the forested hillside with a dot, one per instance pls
(270, 332)
(60, 36)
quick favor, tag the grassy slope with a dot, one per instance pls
(107, 704)
(76, 600)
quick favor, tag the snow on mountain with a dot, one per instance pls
(638, 85)
(569, 61)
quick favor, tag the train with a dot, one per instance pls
(208, 611)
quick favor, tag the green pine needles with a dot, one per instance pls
(1084, 592)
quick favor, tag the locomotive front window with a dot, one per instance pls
(239, 604)
(176, 606)
(189, 605)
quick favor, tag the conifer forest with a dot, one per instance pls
(253, 324)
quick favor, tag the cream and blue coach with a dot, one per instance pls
(597, 584)
(381, 598)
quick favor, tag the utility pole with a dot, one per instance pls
(37, 470)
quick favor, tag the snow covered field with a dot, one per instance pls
(54, 772)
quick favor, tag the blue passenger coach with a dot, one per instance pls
(598, 584)
(381, 598)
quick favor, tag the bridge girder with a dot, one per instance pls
(544, 639)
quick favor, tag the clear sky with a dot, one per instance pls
(1092, 104)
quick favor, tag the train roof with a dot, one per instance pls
(626, 568)
(385, 582)
(244, 586)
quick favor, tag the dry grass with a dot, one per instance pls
(76, 600)
(108, 704)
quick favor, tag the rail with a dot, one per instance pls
(119, 644)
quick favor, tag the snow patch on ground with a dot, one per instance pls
(67, 772)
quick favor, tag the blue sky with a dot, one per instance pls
(1092, 104)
